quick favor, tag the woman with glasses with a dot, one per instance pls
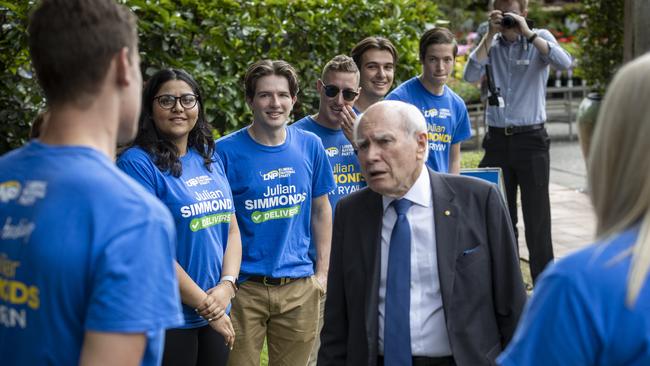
(174, 158)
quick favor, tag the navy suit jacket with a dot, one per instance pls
(478, 266)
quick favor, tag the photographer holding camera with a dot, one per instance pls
(517, 61)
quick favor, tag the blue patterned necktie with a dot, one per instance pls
(397, 332)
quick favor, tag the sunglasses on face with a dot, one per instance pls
(166, 101)
(332, 91)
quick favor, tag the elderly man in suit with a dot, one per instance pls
(424, 267)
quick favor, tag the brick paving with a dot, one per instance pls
(573, 222)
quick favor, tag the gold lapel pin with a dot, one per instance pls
(447, 213)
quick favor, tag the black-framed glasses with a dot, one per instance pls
(167, 101)
(332, 91)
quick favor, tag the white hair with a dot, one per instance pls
(412, 119)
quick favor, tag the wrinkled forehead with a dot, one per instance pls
(382, 122)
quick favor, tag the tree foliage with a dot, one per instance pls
(601, 41)
(20, 96)
(215, 41)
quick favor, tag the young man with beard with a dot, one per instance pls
(338, 88)
(280, 179)
(445, 112)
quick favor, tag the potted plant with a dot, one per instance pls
(599, 55)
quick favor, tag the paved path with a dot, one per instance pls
(572, 220)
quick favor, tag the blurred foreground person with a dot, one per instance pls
(591, 308)
(174, 159)
(86, 254)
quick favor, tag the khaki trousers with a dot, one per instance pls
(313, 357)
(286, 315)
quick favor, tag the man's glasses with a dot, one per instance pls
(332, 91)
(166, 101)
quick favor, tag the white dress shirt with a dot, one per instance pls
(427, 320)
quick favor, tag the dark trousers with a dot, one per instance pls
(195, 346)
(524, 159)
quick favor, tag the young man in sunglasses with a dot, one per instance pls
(280, 180)
(445, 112)
(338, 88)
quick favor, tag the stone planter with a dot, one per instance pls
(586, 120)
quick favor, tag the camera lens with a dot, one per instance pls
(508, 21)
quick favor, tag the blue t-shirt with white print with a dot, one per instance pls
(343, 160)
(201, 203)
(340, 153)
(273, 188)
(83, 247)
(446, 116)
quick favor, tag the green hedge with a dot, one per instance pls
(215, 40)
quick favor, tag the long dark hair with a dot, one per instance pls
(165, 152)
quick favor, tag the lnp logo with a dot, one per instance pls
(332, 151)
(431, 112)
(198, 181)
(34, 189)
(277, 173)
(9, 190)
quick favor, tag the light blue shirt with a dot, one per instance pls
(521, 73)
(427, 319)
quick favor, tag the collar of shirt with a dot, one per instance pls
(419, 194)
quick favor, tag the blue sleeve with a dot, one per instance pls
(322, 181)
(463, 129)
(140, 168)
(220, 170)
(134, 286)
(558, 326)
(223, 158)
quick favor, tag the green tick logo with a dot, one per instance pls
(278, 213)
(210, 220)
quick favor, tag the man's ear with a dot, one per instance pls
(423, 141)
(122, 67)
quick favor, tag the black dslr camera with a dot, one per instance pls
(509, 22)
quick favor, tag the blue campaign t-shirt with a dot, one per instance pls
(343, 160)
(83, 247)
(273, 187)
(340, 153)
(578, 316)
(446, 116)
(201, 203)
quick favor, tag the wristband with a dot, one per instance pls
(531, 39)
(232, 281)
